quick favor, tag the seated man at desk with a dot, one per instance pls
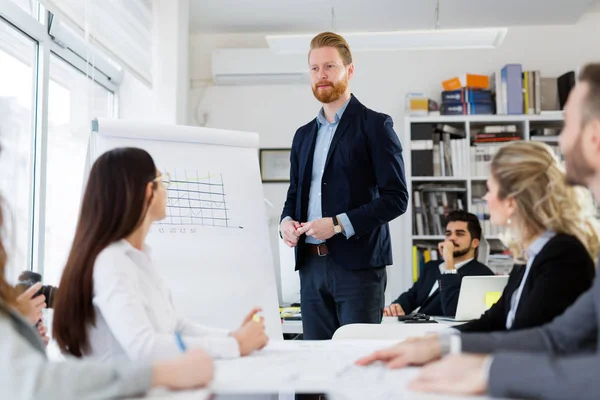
(436, 291)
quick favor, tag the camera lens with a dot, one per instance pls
(49, 292)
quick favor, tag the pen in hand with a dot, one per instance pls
(180, 343)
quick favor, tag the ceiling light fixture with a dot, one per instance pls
(431, 39)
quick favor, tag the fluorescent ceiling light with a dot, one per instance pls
(436, 39)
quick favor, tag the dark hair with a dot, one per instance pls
(590, 74)
(473, 225)
(113, 206)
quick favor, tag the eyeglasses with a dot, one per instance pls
(165, 179)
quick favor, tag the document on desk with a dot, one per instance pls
(312, 366)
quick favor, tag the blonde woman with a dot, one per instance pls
(551, 235)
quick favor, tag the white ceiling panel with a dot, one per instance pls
(308, 16)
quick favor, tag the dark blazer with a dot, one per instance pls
(560, 273)
(443, 301)
(363, 177)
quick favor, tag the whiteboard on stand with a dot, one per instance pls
(213, 247)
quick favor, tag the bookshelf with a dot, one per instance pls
(471, 171)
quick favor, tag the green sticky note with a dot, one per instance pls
(491, 298)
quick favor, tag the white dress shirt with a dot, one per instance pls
(442, 266)
(135, 317)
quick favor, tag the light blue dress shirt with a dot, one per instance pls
(324, 138)
(533, 250)
(325, 133)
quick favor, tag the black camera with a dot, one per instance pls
(27, 279)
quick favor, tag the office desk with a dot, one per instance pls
(295, 327)
(443, 321)
(310, 366)
(206, 395)
(291, 327)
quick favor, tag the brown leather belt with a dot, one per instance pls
(320, 250)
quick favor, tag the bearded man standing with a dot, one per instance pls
(346, 183)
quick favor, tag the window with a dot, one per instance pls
(29, 6)
(46, 106)
(17, 94)
(74, 100)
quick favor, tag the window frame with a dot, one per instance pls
(37, 30)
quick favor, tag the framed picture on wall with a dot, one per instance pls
(275, 165)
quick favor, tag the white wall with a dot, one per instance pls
(167, 100)
(136, 100)
(381, 81)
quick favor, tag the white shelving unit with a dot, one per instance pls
(525, 124)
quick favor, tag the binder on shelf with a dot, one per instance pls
(467, 109)
(512, 88)
(467, 95)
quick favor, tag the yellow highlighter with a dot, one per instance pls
(256, 318)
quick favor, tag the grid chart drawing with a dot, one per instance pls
(196, 200)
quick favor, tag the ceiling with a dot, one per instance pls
(309, 16)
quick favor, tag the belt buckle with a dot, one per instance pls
(319, 250)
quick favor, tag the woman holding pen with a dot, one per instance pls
(27, 373)
(112, 303)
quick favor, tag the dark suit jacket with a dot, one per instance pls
(444, 300)
(363, 177)
(558, 360)
(560, 273)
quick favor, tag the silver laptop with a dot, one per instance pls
(472, 296)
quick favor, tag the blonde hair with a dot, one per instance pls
(330, 39)
(529, 173)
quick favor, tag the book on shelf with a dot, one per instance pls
(483, 153)
(467, 81)
(549, 94)
(532, 97)
(431, 204)
(481, 159)
(421, 256)
(509, 90)
(480, 208)
(565, 83)
(467, 109)
(501, 263)
(467, 95)
(512, 88)
(443, 154)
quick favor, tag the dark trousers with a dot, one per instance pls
(332, 296)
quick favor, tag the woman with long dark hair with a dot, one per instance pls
(27, 373)
(112, 304)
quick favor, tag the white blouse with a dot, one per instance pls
(135, 317)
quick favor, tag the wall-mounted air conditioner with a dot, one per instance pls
(257, 67)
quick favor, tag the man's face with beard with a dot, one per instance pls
(457, 232)
(574, 138)
(328, 74)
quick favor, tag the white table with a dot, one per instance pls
(295, 327)
(310, 366)
(291, 327)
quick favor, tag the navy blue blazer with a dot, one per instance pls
(363, 177)
(442, 302)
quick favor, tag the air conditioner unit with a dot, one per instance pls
(257, 67)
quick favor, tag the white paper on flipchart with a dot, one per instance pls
(312, 366)
(216, 273)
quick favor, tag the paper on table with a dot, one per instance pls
(310, 366)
